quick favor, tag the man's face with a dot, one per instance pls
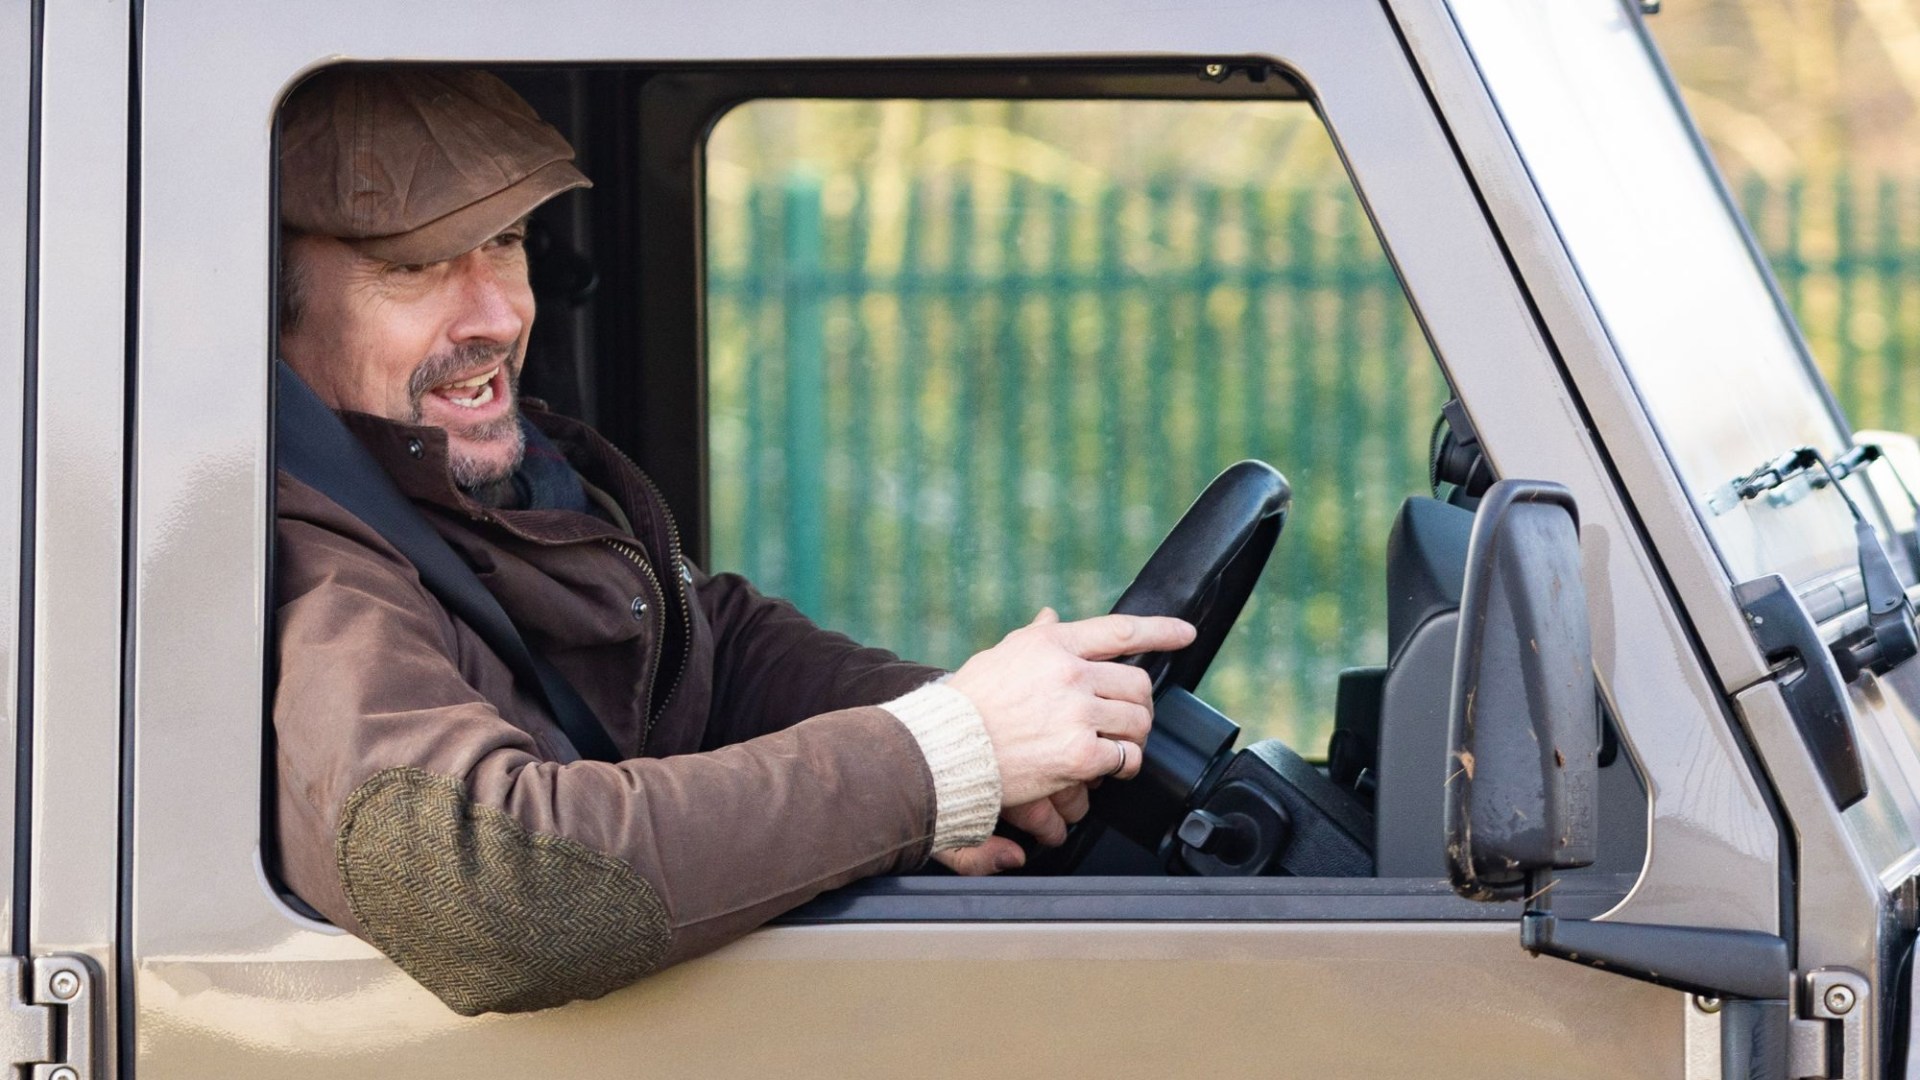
(439, 344)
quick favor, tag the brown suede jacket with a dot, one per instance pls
(429, 805)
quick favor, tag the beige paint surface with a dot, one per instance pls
(1123, 1000)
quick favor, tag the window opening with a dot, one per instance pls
(970, 357)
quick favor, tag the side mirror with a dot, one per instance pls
(1525, 767)
(1524, 743)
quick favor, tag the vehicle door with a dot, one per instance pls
(1116, 975)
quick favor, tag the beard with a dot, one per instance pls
(470, 473)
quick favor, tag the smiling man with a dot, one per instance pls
(431, 805)
(437, 343)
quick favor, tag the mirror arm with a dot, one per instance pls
(1742, 964)
(1747, 971)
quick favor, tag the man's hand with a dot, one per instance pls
(1045, 820)
(1060, 715)
(1057, 713)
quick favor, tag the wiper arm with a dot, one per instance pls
(1866, 454)
(1892, 635)
(1776, 473)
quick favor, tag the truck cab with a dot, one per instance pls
(1568, 296)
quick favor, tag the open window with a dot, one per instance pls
(972, 342)
(924, 348)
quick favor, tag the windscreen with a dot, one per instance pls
(1714, 357)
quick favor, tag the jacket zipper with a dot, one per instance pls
(659, 640)
(680, 582)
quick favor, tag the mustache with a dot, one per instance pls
(443, 366)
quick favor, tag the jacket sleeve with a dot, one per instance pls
(414, 813)
(773, 667)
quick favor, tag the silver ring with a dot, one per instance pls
(1122, 747)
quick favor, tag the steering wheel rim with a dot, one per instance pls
(1207, 567)
(1203, 571)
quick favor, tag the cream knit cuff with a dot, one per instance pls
(966, 778)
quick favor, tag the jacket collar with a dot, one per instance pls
(415, 455)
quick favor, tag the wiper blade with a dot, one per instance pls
(1859, 458)
(1777, 472)
(1784, 480)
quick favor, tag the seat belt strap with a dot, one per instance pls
(317, 449)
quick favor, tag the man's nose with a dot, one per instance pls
(487, 310)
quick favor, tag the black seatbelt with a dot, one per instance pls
(318, 450)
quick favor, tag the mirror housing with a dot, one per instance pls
(1524, 739)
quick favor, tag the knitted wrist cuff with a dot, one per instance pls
(966, 778)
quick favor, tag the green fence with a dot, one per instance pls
(939, 406)
(932, 419)
(1847, 255)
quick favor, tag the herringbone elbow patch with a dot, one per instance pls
(488, 916)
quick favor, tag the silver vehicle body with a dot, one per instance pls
(134, 340)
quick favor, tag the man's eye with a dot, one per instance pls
(511, 238)
(408, 269)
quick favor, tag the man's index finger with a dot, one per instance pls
(1104, 637)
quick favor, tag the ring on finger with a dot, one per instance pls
(1121, 765)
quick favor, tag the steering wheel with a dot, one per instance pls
(1202, 572)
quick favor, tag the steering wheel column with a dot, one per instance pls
(1196, 806)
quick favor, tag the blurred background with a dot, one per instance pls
(971, 357)
(1812, 108)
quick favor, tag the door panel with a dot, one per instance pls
(1335, 1000)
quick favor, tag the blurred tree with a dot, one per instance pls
(1788, 88)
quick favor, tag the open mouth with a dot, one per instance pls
(470, 393)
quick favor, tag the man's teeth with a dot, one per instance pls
(485, 395)
(484, 380)
(480, 379)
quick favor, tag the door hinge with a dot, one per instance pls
(48, 1030)
(1827, 1041)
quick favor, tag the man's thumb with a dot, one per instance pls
(1047, 615)
(996, 854)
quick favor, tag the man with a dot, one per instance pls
(430, 804)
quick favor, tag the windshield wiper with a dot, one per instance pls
(1891, 635)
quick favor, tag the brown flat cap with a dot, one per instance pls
(415, 165)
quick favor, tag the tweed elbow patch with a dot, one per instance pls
(488, 916)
